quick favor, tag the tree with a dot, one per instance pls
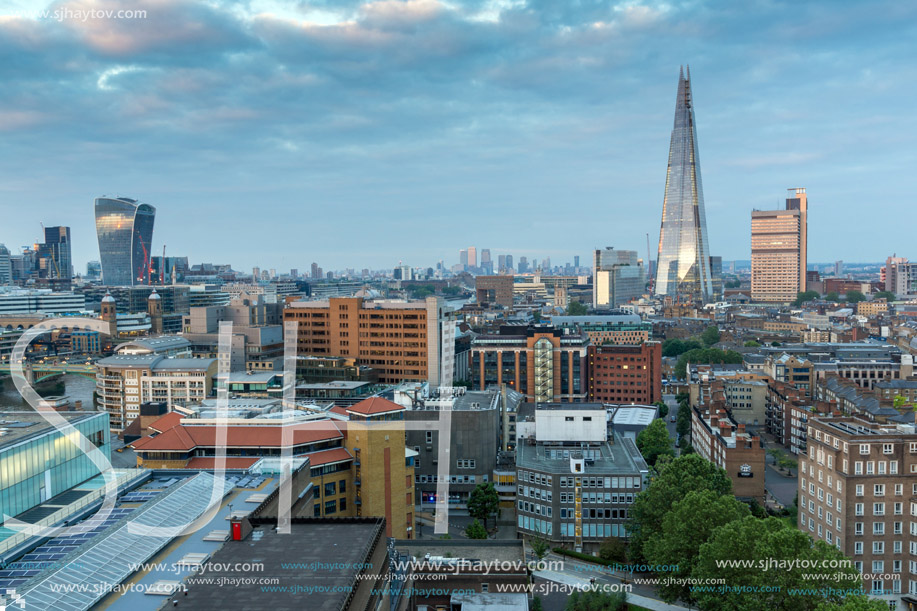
(677, 347)
(783, 586)
(540, 547)
(683, 420)
(689, 523)
(613, 549)
(854, 602)
(752, 344)
(596, 601)
(675, 479)
(886, 295)
(575, 308)
(536, 316)
(536, 604)
(483, 502)
(663, 408)
(775, 454)
(801, 298)
(710, 336)
(787, 463)
(855, 297)
(705, 355)
(654, 441)
(899, 401)
(476, 530)
(775, 343)
(832, 296)
(686, 448)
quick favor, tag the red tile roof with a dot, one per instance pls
(325, 457)
(338, 409)
(232, 462)
(373, 406)
(161, 425)
(183, 437)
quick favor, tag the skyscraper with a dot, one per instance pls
(125, 230)
(472, 256)
(54, 260)
(683, 263)
(6, 268)
(617, 278)
(778, 250)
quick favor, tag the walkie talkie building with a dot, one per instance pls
(683, 263)
(125, 230)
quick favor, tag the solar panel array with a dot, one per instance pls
(246, 481)
(107, 559)
(49, 554)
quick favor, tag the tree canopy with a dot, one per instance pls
(576, 308)
(854, 297)
(705, 355)
(752, 344)
(711, 335)
(686, 526)
(801, 298)
(596, 601)
(654, 441)
(476, 530)
(676, 347)
(483, 502)
(663, 408)
(788, 586)
(832, 296)
(886, 295)
(676, 478)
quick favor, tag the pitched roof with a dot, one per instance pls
(232, 462)
(165, 423)
(325, 457)
(373, 406)
(183, 438)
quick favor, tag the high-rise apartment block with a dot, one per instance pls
(683, 263)
(857, 491)
(402, 340)
(618, 277)
(778, 250)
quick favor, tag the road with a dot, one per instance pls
(781, 487)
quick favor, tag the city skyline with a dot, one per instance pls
(575, 119)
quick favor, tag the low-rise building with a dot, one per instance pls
(625, 374)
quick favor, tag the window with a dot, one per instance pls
(878, 509)
(864, 448)
(878, 547)
(858, 548)
(878, 490)
(878, 528)
(888, 448)
(860, 489)
(429, 437)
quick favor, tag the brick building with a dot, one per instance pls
(494, 289)
(625, 374)
(715, 437)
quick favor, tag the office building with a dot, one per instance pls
(618, 277)
(540, 361)
(27, 301)
(55, 266)
(123, 382)
(509, 264)
(93, 270)
(6, 267)
(607, 328)
(402, 340)
(38, 462)
(125, 231)
(494, 289)
(472, 256)
(683, 262)
(576, 480)
(716, 275)
(856, 492)
(625, 374)
(778, 250)
(473, 443)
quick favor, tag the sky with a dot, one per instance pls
(360, 134)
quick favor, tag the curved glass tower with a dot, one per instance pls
(683, 263)
(125, 229)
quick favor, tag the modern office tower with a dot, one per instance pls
(93, 269)
(617, 278)
(463, 258)
(683, 263)
(716, 276)
(487, 264)
(294, 273)
(576, 261)
(838, 268)
(856, 491)
(256, 274)
(501, 263)
(168, 270)
(778, 250)
(523, 265)
(125, 230)
(54, 260)
(509, 263)
(472, 256)
(577, 478)
(6, 268)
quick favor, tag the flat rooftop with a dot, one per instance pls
(316, 563)
(18, 426)
(619, 458)
(501, 551)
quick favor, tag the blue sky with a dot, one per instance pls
(360, 134)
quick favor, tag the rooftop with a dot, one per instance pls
(18, 426)
(621, 457)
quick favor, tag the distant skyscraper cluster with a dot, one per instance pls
(125, 230)
(47, 264)
(683, 262)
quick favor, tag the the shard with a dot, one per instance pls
(683, 263)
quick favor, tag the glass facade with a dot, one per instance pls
(44, 465)
(125, 230)
(683, 268)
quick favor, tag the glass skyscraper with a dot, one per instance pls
(125, 229)
(683, 268)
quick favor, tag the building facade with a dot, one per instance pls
(725, 443)
(618, 277)
(625, 374)
(125, 231)
(683, 260)
(494, 289)
(778, 250)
